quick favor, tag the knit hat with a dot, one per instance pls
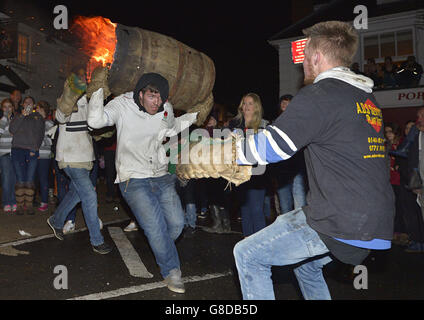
(154, 79)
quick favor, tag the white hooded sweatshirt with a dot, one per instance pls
(139, 151)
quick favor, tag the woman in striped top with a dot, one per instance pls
(8, 178)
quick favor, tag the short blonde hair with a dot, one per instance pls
(337, 40)
(257, 114)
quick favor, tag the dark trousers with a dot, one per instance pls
(110, 172)
(413, 218)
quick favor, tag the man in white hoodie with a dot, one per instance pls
(143, 119)
(350, 203)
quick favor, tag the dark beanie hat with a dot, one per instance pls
(154, 79)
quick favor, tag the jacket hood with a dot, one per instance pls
(345, 74)
(156, 80)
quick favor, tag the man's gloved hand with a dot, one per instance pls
(99, 79)
(68, 99)
(212, 158)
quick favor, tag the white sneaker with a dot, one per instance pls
(131, 227)
(101, 224)
(68, 227)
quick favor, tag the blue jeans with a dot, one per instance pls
(157, 208)
(63, 183)
(25, 164)
(80, 190)
(287, 241)
(8, 180)
(292, 194)
(43, 168)
(252, 210)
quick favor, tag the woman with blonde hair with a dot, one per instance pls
(252, 193)
(249, 114)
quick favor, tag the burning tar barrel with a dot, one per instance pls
(133, 51)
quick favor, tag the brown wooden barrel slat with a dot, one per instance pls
(190, 73)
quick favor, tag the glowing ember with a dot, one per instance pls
(98, 39)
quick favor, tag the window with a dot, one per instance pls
(23, 49)
(392, 44)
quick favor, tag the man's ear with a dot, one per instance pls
(316, 58)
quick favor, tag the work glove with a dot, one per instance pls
(99, 79)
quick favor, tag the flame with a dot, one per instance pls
(98, 38)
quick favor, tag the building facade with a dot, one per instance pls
(33, 61)
(397, 35)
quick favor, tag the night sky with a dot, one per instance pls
(233, 34)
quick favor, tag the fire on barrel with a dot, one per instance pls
(130, 51)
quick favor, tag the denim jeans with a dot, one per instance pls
(289, 240)
(157, 208)
(43, 167)
(292, 194)
(8, 180)
(80, 190)
(25, 164)
(252, 210)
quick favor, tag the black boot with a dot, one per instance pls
(225, 221)
(216, 220)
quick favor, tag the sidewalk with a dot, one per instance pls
(36, 225)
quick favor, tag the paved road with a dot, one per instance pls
(27, 271)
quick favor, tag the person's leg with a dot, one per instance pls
(311, 280)
(32, 160)
(19, 166)
(8, 180)
(256, 201)
(70, 200)
(188, 193)
(299, 190)
(81, 183)
(171, 205)
(43, 167)
(62, 189)
(288, 240)
(110, 173)
(285, 197)
(140, 194)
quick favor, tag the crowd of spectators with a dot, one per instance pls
(390, 74)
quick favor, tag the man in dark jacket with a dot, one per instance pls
(350, 201)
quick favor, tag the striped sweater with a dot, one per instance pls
(5, 136)
(46, 145)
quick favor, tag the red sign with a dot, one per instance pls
(298, 48)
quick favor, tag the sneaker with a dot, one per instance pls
(131, 227)
(101, 224)
(69, 227)
(14, 208)
(415, 247)
(7, 208)
(202, 215)
(43, 207)
(174, 281)
(58, 233)
(102, 249)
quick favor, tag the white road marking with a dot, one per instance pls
(29, 240)
(131, 258)
(147, 287)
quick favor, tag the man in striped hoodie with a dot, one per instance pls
(350, 203)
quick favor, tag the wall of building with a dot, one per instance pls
(50, 60)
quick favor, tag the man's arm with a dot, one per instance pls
(268, 146)
(97, 118)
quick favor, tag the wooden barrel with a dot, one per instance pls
(190, 73)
